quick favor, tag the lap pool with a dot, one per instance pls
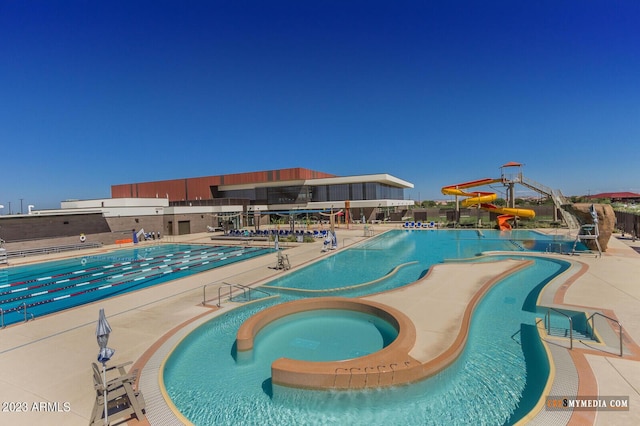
(34, 290)
(497, 379)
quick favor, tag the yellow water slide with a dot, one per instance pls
(484, 199)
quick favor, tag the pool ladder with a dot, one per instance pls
(245, 289)
(26, 314)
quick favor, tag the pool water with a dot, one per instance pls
(497, 379)
(379, 256)
(49, 287)
(323, 335)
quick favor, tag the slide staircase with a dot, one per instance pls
(559, 200)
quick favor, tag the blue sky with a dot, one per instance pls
(436, 93)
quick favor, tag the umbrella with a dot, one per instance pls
(102, 335)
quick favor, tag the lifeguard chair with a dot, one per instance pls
(589, 232)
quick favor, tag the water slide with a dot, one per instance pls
(484, 200)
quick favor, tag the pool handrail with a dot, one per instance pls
(593, 326)
(23, 305)
(242, 287)
(344, 241)
(547, 320)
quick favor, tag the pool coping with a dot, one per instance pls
(336, 374)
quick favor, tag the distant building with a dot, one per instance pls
(621, 197)
(192, 205)
(282, 189)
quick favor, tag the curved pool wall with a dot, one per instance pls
(323, 335)
(497, 378)
(50, 287)
(379, 256)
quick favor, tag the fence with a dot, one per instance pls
(628, 223)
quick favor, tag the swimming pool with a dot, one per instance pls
(417, 251)
(497, 379)
(49, 287)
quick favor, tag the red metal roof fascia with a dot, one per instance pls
(615, 195)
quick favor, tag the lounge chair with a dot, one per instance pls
(418, 224)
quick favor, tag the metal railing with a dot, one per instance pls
(547, 322)
(344, 241)
(593, 327)
(49, 250)
(558, 200)
(335, 375)
(351, 374)
(244, 288)
(26, 314)
(368, 231)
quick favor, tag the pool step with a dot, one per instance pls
(564, 332)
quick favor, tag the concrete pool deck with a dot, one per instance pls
(47, 361)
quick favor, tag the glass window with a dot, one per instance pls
(239, 193)
(338, 192)
(357, 191)
(288, 194)
(319, 193)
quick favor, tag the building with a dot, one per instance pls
(274, 189)
(284, 190)
(192, 205)
(617, 197)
